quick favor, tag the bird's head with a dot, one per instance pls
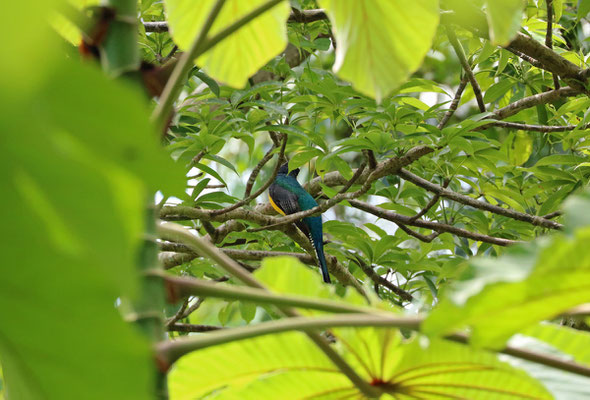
(284, 170)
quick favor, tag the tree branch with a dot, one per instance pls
(466, 67)
(256, 171)
(549, 36)
(303, 16)
(249, 198)
(379, 280)
(434, 188)
(454, 103)
(237, 254)
(435, 226)
(534, 128)
(179, 327)
(388, 167)
(180, 71)
(534, 100)
(431, 203)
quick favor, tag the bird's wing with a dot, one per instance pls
(283, 199)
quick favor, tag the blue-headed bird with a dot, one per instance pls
(287, 196)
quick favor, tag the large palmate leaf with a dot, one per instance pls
(247, 369)
(288, 366)
(573, 342)
(528, 284)
(379, 43)
(244, 52)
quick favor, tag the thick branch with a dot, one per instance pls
(179, 327)
(534, 100)
(434, 188)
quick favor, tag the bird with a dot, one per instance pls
(287, 196)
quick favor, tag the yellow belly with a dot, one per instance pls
(272, 203)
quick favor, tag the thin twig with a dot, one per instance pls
(179, 313)
(454, 103)
(465, 64)
(419, 236)
(435, 226)
(256, 171)
(549, 36)
(553, 214)
(179, 327)
(184, 312)
(526, 57)
(434, 188)
(251, 197)
(431, 203)
(534, 128)
(378, 279)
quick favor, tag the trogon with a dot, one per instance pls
(287, 196)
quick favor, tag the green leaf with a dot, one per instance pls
(497, 90)
(276, 366)
(288, 366)
(571, 341)
(380, 43)
(243, 53)
(208, 81)
(583, 9)
(131, 143)
(504, 17)
(530, 283)
(560, 159)
(74, 180)
(303, 157)
(521, 148)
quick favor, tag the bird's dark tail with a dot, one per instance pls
(319, 250)
(314, 230)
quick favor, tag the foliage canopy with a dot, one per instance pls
(446, 143)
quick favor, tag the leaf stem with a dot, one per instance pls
(200, 45)
(172, 351)
(174, 84)
(178, 233)
(198, 287)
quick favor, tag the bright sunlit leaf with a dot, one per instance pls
(244, 52)
(380, 43)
